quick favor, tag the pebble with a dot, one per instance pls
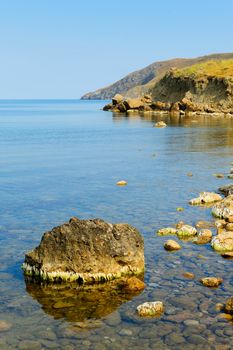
(5, 326)
(196, 339)
(171, 245)
(151, 309)
(126, 332)
(191, 323)
(189, 275)
(29, 345)
(160, 124)
(211, 281)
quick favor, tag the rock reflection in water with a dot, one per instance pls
(76, 303)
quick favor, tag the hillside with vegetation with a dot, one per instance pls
(205, 84)
(202, 87)
(137, 83)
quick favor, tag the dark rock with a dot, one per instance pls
(86, 251)
(122, 107)
(226, 190)
(107, 107)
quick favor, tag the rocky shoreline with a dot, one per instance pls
(184, 107)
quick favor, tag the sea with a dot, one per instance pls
(63, 158)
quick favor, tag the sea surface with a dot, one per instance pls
(62, 158)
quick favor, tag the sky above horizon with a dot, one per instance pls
(65, 48)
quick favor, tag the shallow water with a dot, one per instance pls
(63, 158)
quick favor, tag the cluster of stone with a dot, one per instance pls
(120, 104)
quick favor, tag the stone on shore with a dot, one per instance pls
(223, 242)
(211, 281)
(160, 124)
(151, 309)
(224, 209)
(203, 236)
(205, 198)
(117, 99)
(86, 251)
(171, 245)
(133, 103)
(186, 231)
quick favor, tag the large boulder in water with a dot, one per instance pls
(86, 251)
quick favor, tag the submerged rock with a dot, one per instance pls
(211, 281)
(131, 284)
(186, 231)
(219, 176)
(223, 242)
(5, 326)
(160, 124)
(86, 251)
(223, 209)
(205, 198)
(188, 275)
(171, 245)
(151, 309)
(167, 231)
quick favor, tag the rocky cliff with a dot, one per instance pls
(139, 82)
(203, 87)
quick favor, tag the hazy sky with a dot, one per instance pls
(64, 48)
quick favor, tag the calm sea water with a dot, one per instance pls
(63, 158)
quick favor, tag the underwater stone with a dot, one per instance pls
(151, 309)
(86, 251)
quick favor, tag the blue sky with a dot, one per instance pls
(64, 48)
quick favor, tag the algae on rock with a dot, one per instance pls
(86, 251)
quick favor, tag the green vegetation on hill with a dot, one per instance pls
(212, 68)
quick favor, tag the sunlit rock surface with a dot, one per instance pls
(86, 251)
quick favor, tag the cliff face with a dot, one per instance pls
(198, 86)
(204, 88)
(139, 82)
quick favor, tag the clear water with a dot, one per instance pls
(63, 158)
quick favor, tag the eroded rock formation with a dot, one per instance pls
(86, 251)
